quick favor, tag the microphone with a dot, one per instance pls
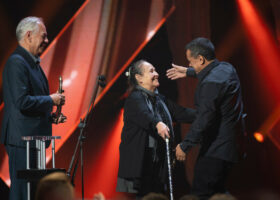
(101, 77)
(102, 81)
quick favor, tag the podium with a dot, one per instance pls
(40, 170)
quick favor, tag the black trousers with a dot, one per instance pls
(210, 176)
(17, 161)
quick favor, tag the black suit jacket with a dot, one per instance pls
(27, 104)
(219, 106)
(139, 123)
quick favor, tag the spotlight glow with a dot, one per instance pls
(259, 137)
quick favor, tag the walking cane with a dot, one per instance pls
(169, 169)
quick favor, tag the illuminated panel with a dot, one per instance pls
(4, 169)
(71, 55)
(103, 174)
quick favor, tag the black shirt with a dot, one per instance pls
(219, 107)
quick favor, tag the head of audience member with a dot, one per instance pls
(263, 194)
(99, 196)
(55, 186)
(144, 74)
(31, 34)
(154, 196)
(222, 197)
(200, 52)
(189, 197)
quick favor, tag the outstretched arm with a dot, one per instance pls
(177, 72)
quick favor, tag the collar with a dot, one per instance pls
(202, 74)
(36, 59)
(148, 92)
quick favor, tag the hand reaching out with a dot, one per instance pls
(176, 72)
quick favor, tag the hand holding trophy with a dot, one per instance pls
(58, 116)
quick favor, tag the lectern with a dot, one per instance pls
(40, 170)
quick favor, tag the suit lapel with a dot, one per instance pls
(46, 85)
(21, 51)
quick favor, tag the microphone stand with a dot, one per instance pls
(82, 125)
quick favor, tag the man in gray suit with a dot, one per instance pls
(28, 104)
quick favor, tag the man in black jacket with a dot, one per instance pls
(217, 125)
(28, 104)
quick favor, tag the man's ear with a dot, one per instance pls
(202, 60)
(28, 36)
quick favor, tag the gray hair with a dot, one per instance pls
(27, 24)
(135, 68)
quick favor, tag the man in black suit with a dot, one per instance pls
(217, 125)
(28, 104)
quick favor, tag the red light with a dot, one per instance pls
(264, 48)
(266, 56)
(104, 171)
(259, 137)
